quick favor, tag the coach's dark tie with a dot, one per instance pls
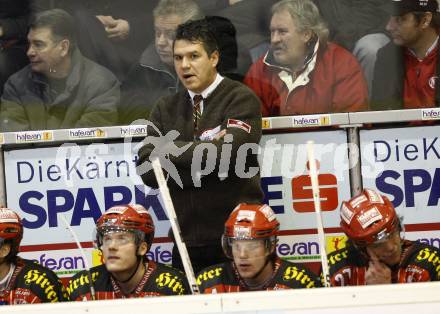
(196, 112)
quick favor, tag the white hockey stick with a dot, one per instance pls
(169, 207)
(317, 202)
(86, 263)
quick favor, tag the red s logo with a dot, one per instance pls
(302, 193)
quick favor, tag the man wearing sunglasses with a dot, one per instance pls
(376, 252)
(124, 235)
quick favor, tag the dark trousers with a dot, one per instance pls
(201, 257)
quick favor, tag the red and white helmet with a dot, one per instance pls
(250, 222)
(131, 218)
(368, 217)
(11, 228)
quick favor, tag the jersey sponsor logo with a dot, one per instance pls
(294, 273)
(334, 258)
(81, 280)
(209, 274)
(171, 281)
(40, 278)
(415, 273)
(430, 256)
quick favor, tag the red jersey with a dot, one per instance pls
(419, 262)
(32, 283)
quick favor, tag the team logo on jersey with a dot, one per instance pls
(209, 274)
(171, 281)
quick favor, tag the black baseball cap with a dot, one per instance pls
(401, 7)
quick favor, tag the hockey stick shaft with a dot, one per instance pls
(169, 207)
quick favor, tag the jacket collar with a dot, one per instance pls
(286, 75)
(150, 59)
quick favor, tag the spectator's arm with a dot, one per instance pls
(350, 91)
(254, 79)
(13, 116)
(102, 107)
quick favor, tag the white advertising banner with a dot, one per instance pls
(80, 181)
(286, 181)
(404, 164)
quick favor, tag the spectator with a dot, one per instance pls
(59, 88)
(302, 73)
(23, 281)
(407, 69)
(154, 75)
(375, 252)
(124, 235)
(112, 32)
(214, 112)
(250, 241)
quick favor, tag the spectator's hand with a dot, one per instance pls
(377, 272)
(119, 30)
(106, 20)
(219, 135)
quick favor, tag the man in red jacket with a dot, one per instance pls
(302, 73)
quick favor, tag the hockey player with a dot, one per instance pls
(23, 281)
(249, 240)
(124, 235)
(376, 253)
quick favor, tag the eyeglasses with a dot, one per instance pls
(117, 239)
